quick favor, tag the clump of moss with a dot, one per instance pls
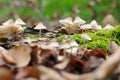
(100, 39)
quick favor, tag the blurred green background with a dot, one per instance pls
(49, 10)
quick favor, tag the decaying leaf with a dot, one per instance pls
(76, 65)
(98, 52)
(18, 55)
(47, 55)
(27, 72)
(47, 74)
(6, 74)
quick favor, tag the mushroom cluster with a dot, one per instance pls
(79, 24)
(11, 28)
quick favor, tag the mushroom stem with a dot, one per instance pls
(40, 33)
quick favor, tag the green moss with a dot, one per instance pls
(100, 39)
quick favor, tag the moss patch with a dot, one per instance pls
(100, 39)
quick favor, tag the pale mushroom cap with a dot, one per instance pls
(73, 45)
(79, 21)
(93, 23)
(8, 22)
(40, 26)
(19, 21)
(108, 26)
(95, 26)
(86, 26)
(85, 36)
(66, 21)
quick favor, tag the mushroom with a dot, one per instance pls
(78, 21)
(39, 27)
(85, 36)
(67, 21)
(70, 25)
(95, 26)
(86, 27)
(108, 26)
(19, 21)
(8, 22)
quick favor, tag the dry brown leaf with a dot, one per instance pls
(48, 55)
(98, 52)
(6, 74)
(27, 72)
(35, 53)
(76, 65)
(49, 74)
(19, 55)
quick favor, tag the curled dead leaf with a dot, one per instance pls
(18, 55)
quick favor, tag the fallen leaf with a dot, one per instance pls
(47, 74)
(76, 65)
(18, 55)
(27, 72)
(47, 55)
(6, 74)
(98, 52)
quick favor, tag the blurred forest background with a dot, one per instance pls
(50, 10)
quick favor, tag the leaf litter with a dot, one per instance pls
(44, 58)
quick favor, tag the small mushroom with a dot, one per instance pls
(67, 21)
(78, 21)
(95, 26)
(8, 22)
(19, 21)
(39, 27)
(108, 26)
(85, 36)
(86, 27)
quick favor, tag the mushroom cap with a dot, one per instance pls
(86, 26)
(93, 23)
(8, 22)
(67, 21)
(85, 36)
(108, 26)
(19, 21)
(95, 26)
(40, 26)
(78, 21)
